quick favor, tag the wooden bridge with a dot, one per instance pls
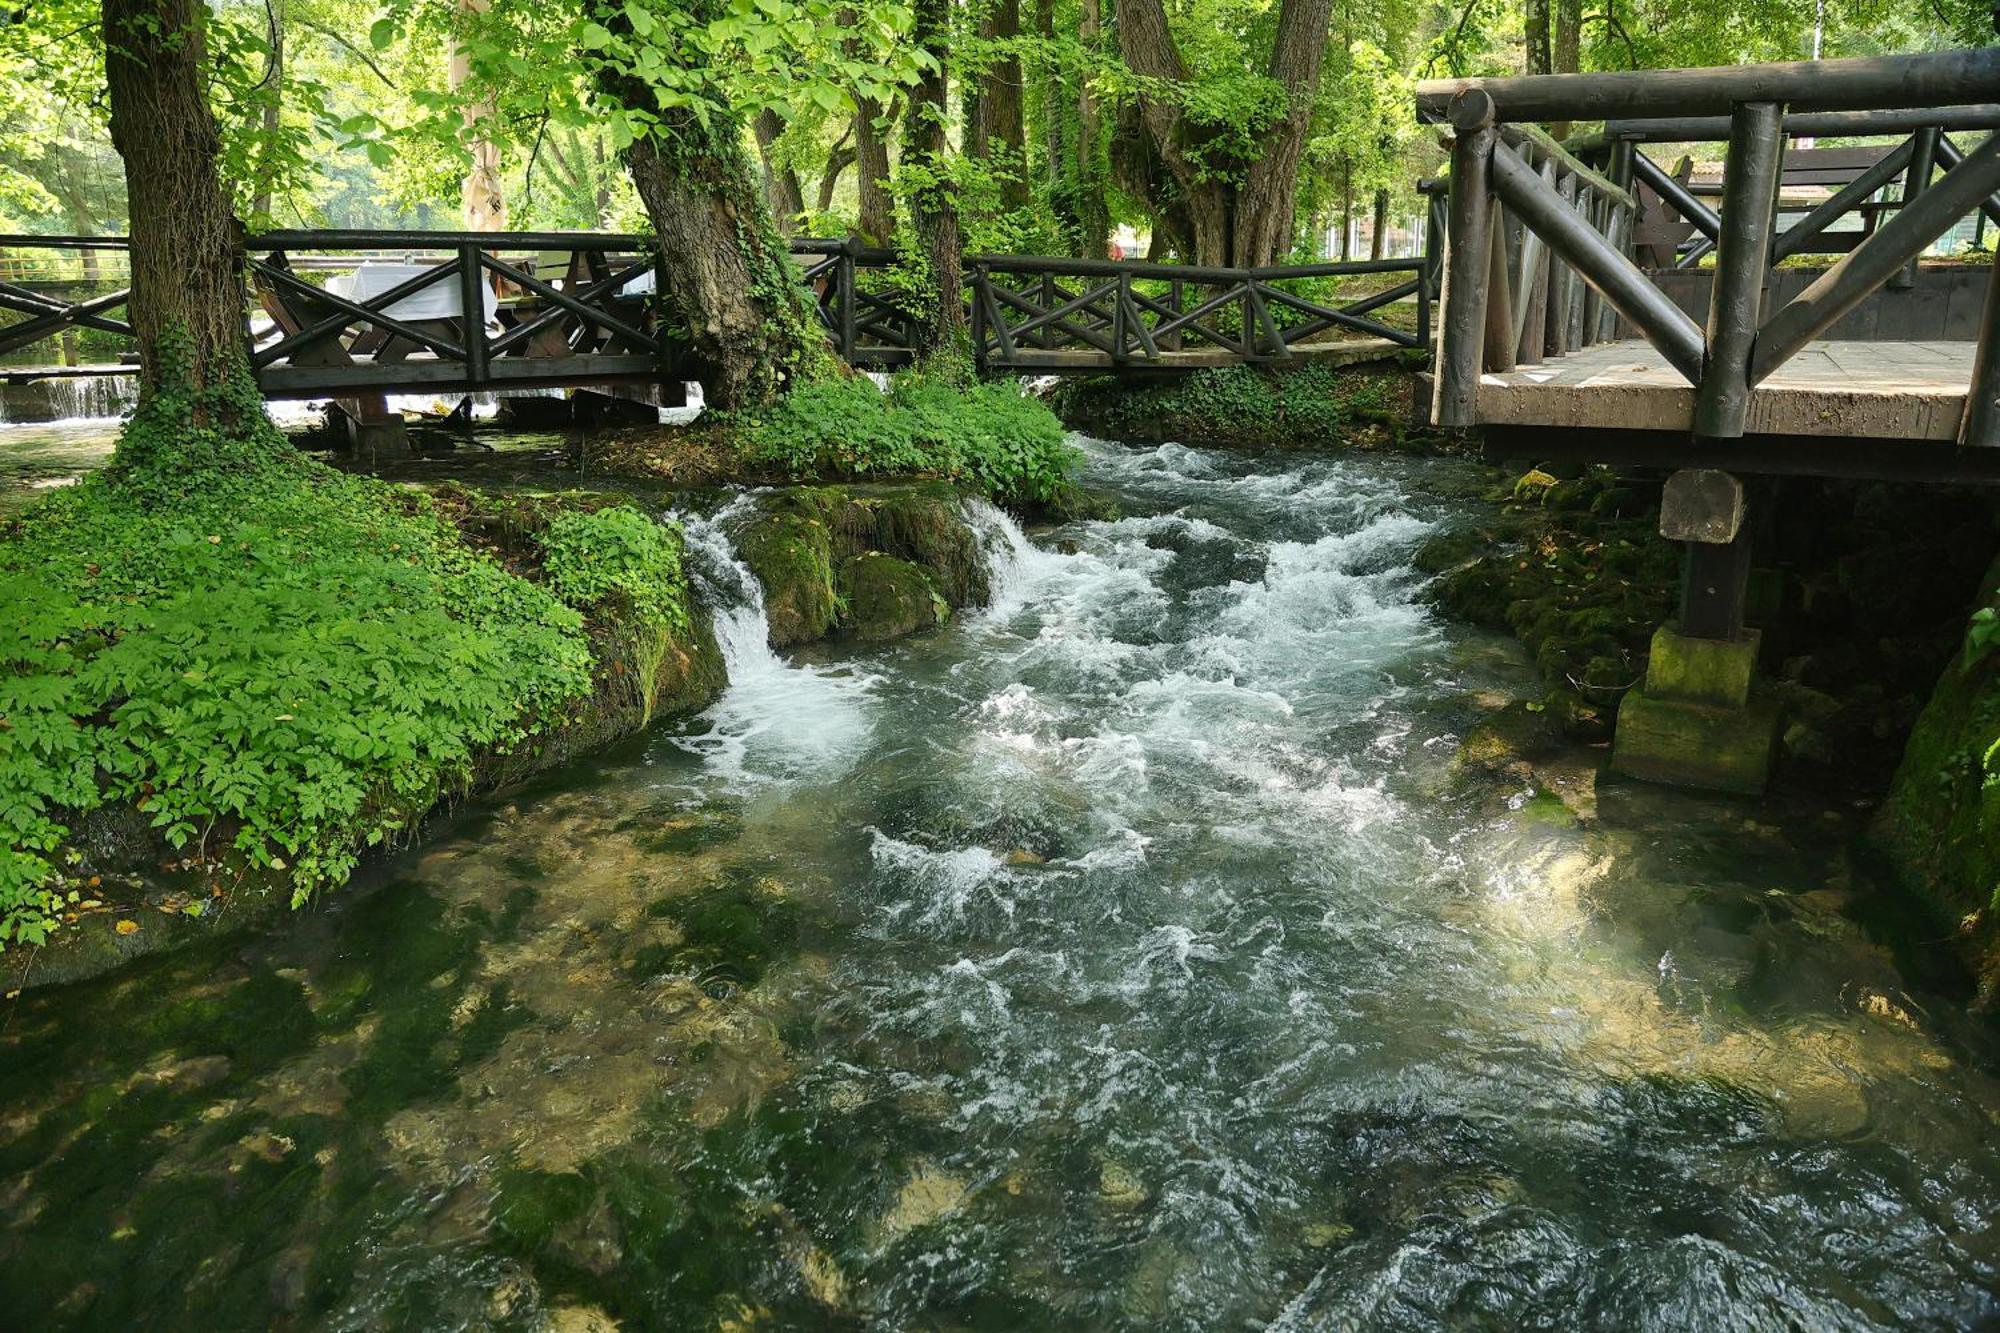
(1556, 333)
(347, 313)
(1557, 339)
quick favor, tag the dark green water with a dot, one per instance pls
(1124, 957)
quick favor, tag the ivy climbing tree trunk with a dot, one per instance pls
(729, 280)
(933, 210)
(187, 299)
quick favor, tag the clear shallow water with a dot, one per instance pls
(1123, 957)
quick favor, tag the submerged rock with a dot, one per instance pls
(889, 598)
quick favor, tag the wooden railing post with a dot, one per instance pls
(472, 309)
(1118, 307)
(1980, 427)
(844, 281)
(1923, 159)
(1736, 297)
(1468, 256)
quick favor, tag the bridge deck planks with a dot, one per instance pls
(1873, 390)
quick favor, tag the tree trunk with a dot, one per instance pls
(837, 161)
(1378, 237)
(1000, 112)
(1346, 210)
(1093, 214)
(1250, 225)
(481, 198)
(1567, 49)
(1535, 36)
(1264, 206)
(933, 213)
(729, 279)
(1149, 50)
(187, 301)
(871, 161)
(781, 183)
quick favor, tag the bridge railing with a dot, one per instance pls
(44, 281)
(344, 311)
(1504, 172)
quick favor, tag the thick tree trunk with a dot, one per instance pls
(1149, 50)
(1265, 204)
(1566, 51)
(871, 162)
(933, 212)
(1000, 124)
(187, 300)
(729, 279)
(1250, 225)
(781, 183)
(1378, 235)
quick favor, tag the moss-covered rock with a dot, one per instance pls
(1940, 826)
(872, 561)
(888, 598)
(789, 547)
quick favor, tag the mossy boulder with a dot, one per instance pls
(1940, 826)
(888, 598)
(871, 561)
(789, 547)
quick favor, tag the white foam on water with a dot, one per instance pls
(777, 721)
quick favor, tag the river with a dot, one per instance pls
(1128, 955)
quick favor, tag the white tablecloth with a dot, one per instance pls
(437, 301)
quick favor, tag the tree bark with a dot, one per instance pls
(1265, 205)
(481, 198)
(871, 162)
(187, 299)
(1566, 51)
(933, 212)
(781, 183)
(1378, 237)
(729, 279)
(837, 161)
(1535, 36)
(1001, 118)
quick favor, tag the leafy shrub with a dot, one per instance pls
(283, 662)
(992, 436)
(617, 554)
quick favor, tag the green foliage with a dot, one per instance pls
(617, 555)
(993, 436)
(1313, 403)
(284, 664)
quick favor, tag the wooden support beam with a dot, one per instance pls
(1468, 254)
(1750, 184)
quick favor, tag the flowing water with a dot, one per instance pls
(1126, 956)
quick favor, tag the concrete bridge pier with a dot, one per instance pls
(1698, 720)
(373, 431)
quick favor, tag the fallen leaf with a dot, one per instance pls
(126, 926)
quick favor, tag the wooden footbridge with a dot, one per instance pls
(346, 313)
(1598, 306)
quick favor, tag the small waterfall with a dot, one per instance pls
(778, 721)
(77, 398)
(731, 592)
(1010, 556)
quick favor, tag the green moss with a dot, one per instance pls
(730, 932)
(790, 549)
(888, 598)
